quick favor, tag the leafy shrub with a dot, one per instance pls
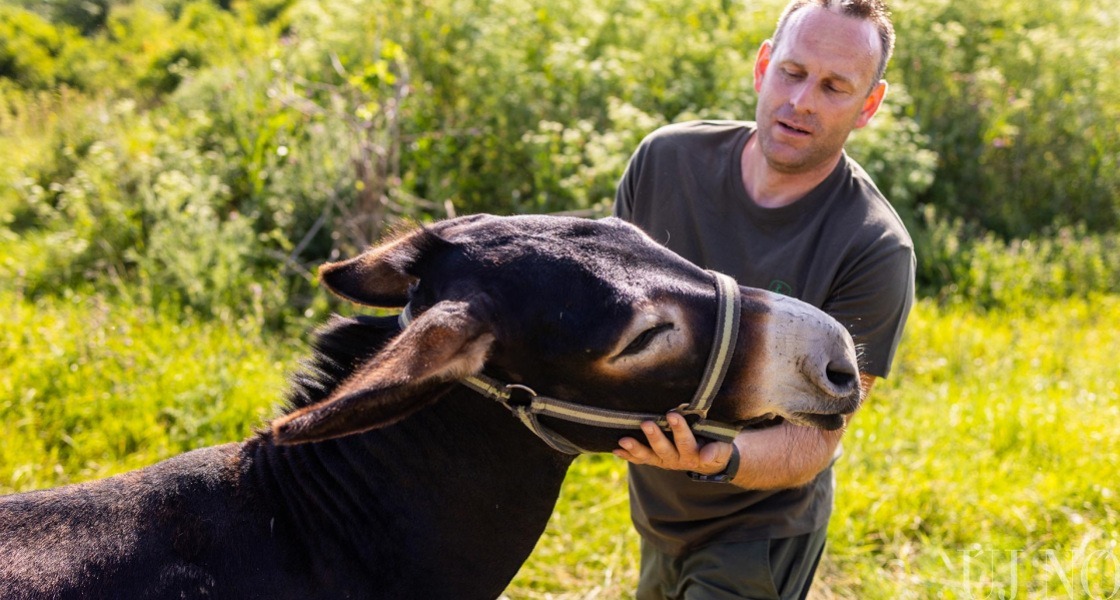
(73, 200)
(984, 270)
(86, 15)
(576, 168)
(33, 52)
(1020, 105)
(292, 132)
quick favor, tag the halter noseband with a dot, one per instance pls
(528, 406)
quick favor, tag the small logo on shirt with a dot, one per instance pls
(780, 287)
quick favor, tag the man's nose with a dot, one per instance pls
(803, 97)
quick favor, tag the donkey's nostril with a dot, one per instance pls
(841, 377)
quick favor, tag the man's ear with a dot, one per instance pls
(761, 63)
(871, 104)
(444, 344)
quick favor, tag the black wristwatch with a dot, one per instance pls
(726, 475)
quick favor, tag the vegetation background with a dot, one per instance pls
(172, 171)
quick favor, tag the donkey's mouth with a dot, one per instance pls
(826, 422)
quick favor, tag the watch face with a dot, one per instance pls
(717, 478)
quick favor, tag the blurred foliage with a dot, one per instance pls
(211, 154)
(988, 272)
(1022, 106)
(34, 54)
(99, 386)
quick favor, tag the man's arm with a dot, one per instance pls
(779, 457)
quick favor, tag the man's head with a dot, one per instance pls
(874, 11)
(819, 78)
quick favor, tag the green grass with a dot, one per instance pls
(89, 389)
(988, 463)
(985, 465)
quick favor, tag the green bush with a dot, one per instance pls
(86, 15)
(115, 193)
(965, 265)
(1021, 104)
(990, 273)
(296, 131)
(34, 53)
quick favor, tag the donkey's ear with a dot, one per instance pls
(381, 275)
(446, 343)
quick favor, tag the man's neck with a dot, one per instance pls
(770, 188)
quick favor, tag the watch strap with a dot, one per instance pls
(726, 475)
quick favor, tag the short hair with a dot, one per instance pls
(875, 11)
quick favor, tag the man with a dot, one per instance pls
(778, 205)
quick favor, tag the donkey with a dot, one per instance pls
(385, 476)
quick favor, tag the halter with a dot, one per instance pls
(528, 406)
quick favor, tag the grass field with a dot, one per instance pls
(985, 467)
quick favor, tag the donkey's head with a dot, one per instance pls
(587, 312)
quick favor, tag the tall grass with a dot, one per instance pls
(89, 388)
(987, 464)
(984, 467)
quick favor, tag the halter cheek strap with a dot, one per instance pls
(723, 347)
(528, 406)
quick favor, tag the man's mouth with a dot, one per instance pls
(793, 128)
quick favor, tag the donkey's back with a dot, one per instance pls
(187, 527)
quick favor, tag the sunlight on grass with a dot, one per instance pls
(90, 389)
(589, 549)
(987, 464)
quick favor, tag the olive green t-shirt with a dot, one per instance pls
(841, 248)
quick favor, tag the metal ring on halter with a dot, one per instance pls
(510, 388)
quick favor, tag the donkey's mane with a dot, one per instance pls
(338, 349)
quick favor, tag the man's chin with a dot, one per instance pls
(791, 160)
(788, 163)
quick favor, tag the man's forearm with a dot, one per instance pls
(783, 456)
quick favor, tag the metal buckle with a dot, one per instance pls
(521, 390)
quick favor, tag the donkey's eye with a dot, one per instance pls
(644, 339)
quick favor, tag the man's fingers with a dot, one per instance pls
(682, 434)
(660, 443)
(631, 450)
(681, 453)
(688, 450)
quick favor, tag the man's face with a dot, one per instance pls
(813, 89)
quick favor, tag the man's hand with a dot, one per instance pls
(682, 453)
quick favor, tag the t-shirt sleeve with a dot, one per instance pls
(873, 302)
(624, 194)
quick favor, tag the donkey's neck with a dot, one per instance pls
(452, 499)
